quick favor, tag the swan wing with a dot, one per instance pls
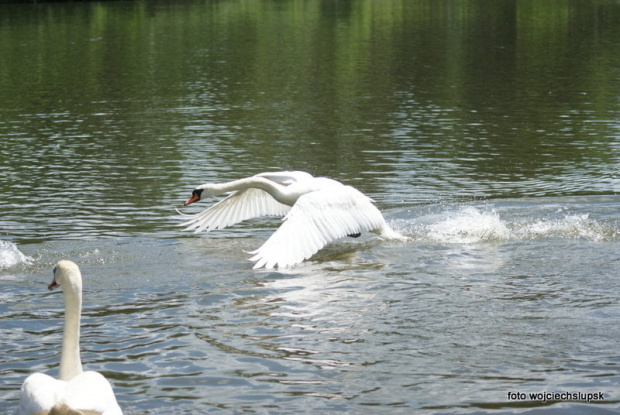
(91, 391)
(239, 206)
(40, 392)
(315, 220)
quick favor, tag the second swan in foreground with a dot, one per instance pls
(76, 391)
(316, 211)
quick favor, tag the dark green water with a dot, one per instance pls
(488, 132)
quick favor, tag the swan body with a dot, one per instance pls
(76, 391)
(316, 211)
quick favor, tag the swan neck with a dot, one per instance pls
(70, 363)
(277, 191)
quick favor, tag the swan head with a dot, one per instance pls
(66, 273)
(196, 195)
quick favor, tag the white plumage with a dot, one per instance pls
(316, 211)
(76, 392)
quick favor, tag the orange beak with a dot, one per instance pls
(192, 199)
(53, 285)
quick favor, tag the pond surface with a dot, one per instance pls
(488, 133)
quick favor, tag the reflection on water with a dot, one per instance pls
(487, 132)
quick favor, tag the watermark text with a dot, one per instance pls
(556, 396)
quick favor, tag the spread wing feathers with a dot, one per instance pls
(237, 207)
(315, 220)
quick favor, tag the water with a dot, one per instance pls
(487, 133)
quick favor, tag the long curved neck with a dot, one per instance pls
(277, 191)
(70, 363)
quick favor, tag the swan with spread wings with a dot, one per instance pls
(316, 211)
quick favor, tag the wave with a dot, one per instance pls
(10, 256)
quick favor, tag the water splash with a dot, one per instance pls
(469, 225)
(11, 256)
(569, 226)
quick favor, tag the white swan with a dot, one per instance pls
(76, 392)
(316, 211)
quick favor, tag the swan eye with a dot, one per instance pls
(54, 271)
(197, 192)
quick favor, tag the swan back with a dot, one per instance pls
(87, 393)
(286, 177)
